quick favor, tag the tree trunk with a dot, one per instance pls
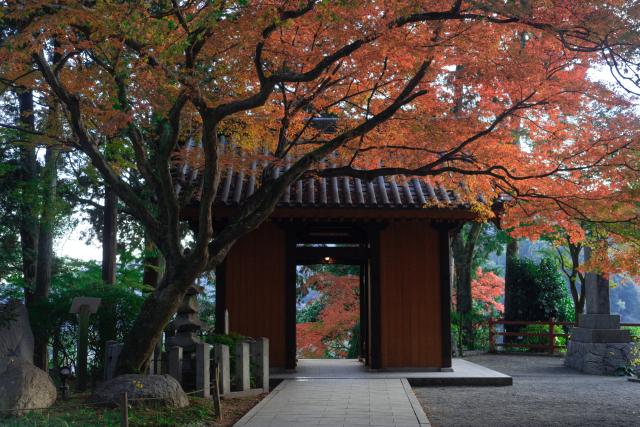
(45, 251)
(513, 248)
(107, 320)
(28, 202)
(581, 299)
(109, 236)
(578, 296)
(152, 265)
(463, 247)
(155, 314)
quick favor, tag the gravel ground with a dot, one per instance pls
(544, 393)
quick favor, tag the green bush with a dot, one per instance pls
(73, 278)
(536, 291)
(354, 342)
(542, 340)
(230, 340)
(635, 332)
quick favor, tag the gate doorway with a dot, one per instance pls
(328, 311)
(324, 248)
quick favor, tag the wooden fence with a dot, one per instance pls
(550, 346)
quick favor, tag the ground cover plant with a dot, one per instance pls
(77, 412)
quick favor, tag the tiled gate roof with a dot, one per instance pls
(317, 192)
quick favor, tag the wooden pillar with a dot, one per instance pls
(221, 297)
(364, 313)
(444, 256)
(375, 341)
(290, 300)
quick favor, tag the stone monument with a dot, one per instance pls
(181, 347)
(187, 324)
(598, 345)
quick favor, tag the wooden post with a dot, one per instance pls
(124, 410)
(216, 391)
(222, 317)
(444, 255)
(492, 337)
(83, 307)
(375, 311)
(551, 335)
(83, 343)
(290, 300)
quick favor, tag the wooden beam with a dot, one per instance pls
(347, 213)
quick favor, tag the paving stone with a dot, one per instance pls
(336, 402)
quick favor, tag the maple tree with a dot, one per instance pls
(487, 288)
(336, 319)
(488, 97)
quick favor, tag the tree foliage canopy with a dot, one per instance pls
(488, 97)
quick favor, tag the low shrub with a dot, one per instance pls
(635, 332)
(542, 340)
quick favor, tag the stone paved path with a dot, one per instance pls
(338, 402)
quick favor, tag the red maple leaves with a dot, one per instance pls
(329, 336)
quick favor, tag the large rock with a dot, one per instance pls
(155, 389)
(24, 387)
(16, 338)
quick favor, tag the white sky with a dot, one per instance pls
(72, 245)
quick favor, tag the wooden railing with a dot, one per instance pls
(550, 346)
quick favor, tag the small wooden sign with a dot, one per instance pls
(92, 303)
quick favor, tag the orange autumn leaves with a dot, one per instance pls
(330, 334)
(565, 151)
(487, 290)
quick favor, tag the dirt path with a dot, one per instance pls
(544, 393)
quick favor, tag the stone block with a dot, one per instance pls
(599, 321)
(16, 338)
(587, 335)
(260, 360)
(174, 362)
(23, 387)
(112, 352)
(597, 294)
(142, 390)
(597, 358)
(242, 359)
(203, 376)
(222, 359)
